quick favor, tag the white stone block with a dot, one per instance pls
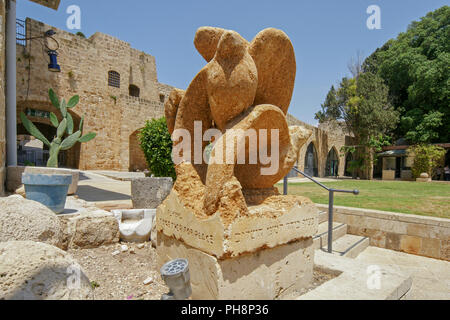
(135, 225)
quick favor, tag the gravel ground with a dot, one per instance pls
(121, 276)
(319, 278)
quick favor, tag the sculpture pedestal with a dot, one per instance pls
(262, 254)
(262, 275)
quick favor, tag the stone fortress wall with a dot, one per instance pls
(111, 112)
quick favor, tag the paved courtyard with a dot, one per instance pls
(105, 192)
(431, 277)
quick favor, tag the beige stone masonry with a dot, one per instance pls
(420, 235)
(243, 235)
(267, 275)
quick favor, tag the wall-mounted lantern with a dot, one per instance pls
(53, 66)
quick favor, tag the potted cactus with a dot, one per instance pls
(51, 189)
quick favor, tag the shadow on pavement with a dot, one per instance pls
(89, 193)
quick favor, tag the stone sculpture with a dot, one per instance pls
(226, 209)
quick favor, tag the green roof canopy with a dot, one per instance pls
(393, 153)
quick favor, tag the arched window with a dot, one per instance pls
(134, 91)
(114, 79)
(162, 98)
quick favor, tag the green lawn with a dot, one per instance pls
(430, 199)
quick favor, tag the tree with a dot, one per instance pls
(355, 65)
(426, 159)
(156, 142)
(364, 106)
(415, 68)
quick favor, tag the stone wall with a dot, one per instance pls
(420, 235)
(324, 138)
(109, 111)
(54, 4)
(2, 98)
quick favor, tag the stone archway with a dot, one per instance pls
(311, 161)
(137, 160)
(38, 113)
(332, 164)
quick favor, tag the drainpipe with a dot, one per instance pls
(11, 105)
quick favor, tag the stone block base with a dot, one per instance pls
(263, 275)
(149, 193)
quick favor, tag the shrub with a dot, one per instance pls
(426, 159)
(156, 142)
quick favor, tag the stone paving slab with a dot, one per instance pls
(106, 193)
(431, 277)
(354, 280)
(119, 175)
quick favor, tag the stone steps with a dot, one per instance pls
(321, 238)
(350, 246)
(323, 216)
(343, 244)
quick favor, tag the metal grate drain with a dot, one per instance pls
(174, 267)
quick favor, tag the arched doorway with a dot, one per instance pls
(31, 152)
(311, 167)
(137, 160)
(332, 165)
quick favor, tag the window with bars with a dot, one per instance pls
(134, 91)
(114, 79)
(21, 32)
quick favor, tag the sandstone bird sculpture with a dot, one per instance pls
(244, 86)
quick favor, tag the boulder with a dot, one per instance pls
(89, 230)
(149, 193)
(38, 271)
(22, 220)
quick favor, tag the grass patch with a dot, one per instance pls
(428, 199)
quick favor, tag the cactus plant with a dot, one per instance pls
(65, 126)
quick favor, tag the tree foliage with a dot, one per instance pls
(415, 67)
(364, 106)
(156, 142)
(426, 158)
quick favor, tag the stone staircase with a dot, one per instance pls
(344, 244)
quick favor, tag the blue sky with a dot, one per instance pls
(326, 34)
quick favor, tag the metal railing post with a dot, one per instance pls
(331, 192)
(285, 186)
(330, 220)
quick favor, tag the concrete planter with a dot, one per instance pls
(14, 176)
(48, 189)
(149, 193)
(135, 225)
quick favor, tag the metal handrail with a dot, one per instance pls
(331, 192)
